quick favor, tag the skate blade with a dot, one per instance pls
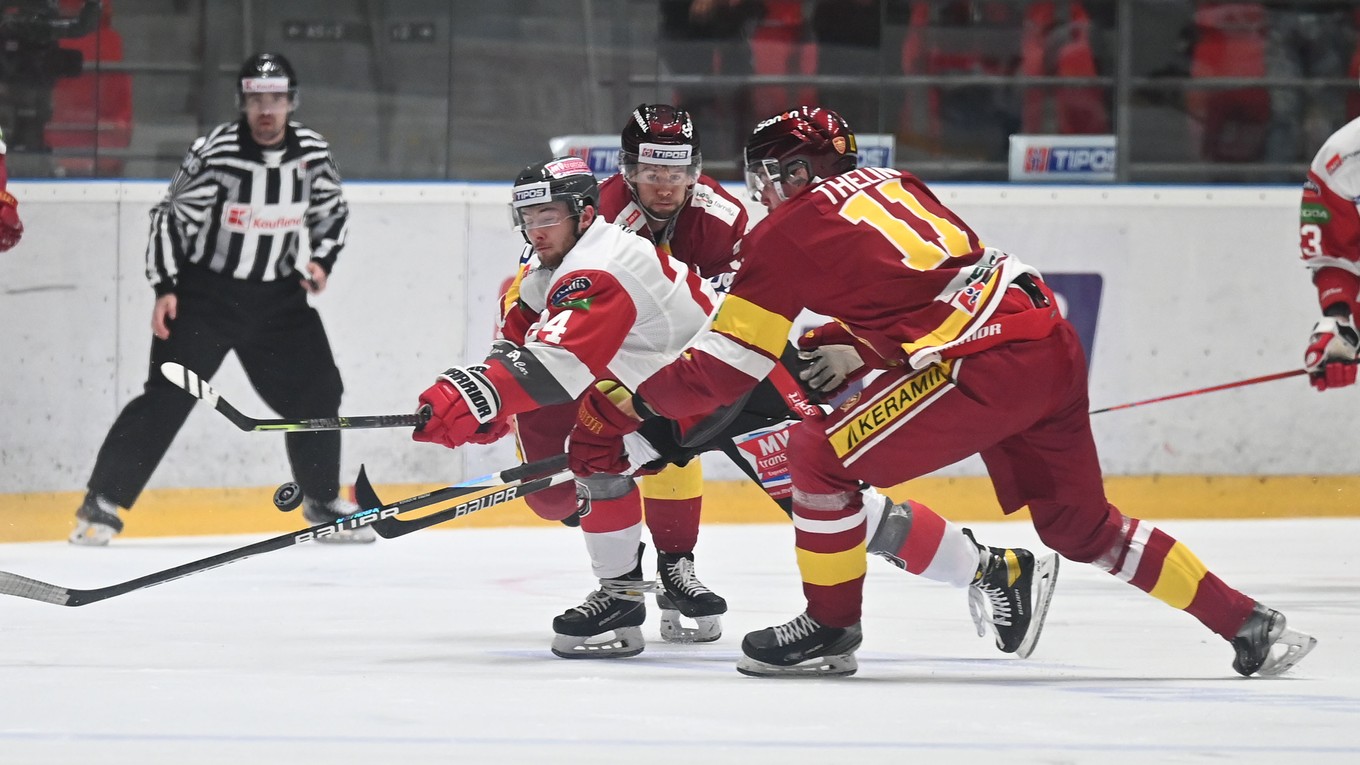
(1045, 579)
(836, 665)
(89, 534)
(622, 643)
(673, 628)
(1295, 644)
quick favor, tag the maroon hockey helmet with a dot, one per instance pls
(817, 140)
(659, 144)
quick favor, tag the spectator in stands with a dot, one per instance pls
(1229, 42)
(1306, 40)
(966, 37)
(849, 35)
(708, 37)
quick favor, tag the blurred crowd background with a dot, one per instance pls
(1195, 91)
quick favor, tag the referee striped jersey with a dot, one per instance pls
(241, 211)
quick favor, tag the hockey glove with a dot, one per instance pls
(596, 443)
(11, 229)
(830, 366)
(1331, 355)
(491, 432)
(460, 402)
(832, 357)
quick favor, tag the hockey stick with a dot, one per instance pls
(24, 587)
(1225, 386)
(390, 526)
(199, 388)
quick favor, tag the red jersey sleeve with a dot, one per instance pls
(589, 315)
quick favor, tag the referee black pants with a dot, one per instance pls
(281, 344)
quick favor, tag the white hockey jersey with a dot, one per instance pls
(616, 308)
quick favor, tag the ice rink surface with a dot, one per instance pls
(433, 648)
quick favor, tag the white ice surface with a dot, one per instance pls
(433, 648)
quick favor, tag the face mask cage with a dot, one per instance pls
(762, 174)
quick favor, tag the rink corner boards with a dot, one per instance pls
(49, 516)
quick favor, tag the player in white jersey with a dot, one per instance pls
(612, 308)
(1329, 239)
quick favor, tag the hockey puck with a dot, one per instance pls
(288, 496)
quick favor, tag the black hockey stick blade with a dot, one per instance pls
(391, 527)
(514, 482)
(366, 496)
(32, 589)
(196, 386)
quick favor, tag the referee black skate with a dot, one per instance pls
(223, 262)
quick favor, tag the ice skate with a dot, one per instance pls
(317, 513)
(613, 614)
(1010, 593)
(682, 594)
(97, 522)
(801, 648)
(1266, 646)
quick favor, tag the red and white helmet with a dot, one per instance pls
(660, 144)
(816, 140)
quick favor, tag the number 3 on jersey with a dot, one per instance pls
(551, 331)
(1310, 240)
(918, 252)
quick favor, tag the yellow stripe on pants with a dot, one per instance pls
(1179, 580)
(675, 482)
(830, 569)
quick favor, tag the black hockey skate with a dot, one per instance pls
(1263, 631)
(317, 513)
(682, 594)
(1011, 592)
(617, 607)
(801, 648)
(97, 522)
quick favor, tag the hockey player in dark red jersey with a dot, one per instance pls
(976, 360)
(1329, 239)
(612, 307)
(660, 194)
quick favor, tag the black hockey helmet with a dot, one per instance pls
(815, 139)
(266, 73)
(565, 179)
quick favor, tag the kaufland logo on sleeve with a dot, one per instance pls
(237, 217)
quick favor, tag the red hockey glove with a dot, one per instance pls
(11, 229)
(1331, 355)
(491, 432)
(596, 443)
(460, 402)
